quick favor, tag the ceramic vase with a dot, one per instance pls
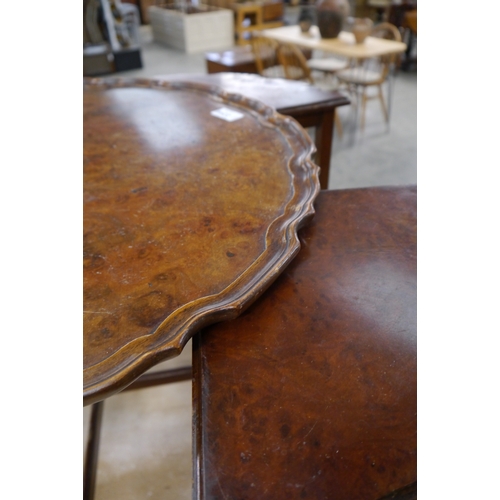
(306, 18)
(331, 15)
(359, 27)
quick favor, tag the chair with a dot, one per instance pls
(294, 62)
(295, 66)
(265, 52)
(372, 72)
(327, 65)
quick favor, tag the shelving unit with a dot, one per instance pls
(249, 16)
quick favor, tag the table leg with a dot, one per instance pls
(358, 94)
(323, 123)
(92, 453)
(323, 140)
(390, 89)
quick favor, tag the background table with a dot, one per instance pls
(309, 105)
(344, 45)
(312, 392)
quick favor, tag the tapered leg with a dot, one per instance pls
(91, 456)
(382, 103)
(323, 140)
(338, 124)
(363, 108)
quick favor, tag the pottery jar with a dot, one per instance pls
(331, 15)
(359, 27)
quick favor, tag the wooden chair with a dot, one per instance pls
(294, 63)
(295, 67)
(265, 52)
(327, 65)
(372, 72)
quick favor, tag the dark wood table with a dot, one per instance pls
(309, 105)
(238, 59)
(189, 216)
(312, 392)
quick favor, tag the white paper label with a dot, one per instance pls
(227, 114)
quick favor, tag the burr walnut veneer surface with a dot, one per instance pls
(187, 217)
(311, 393)
(309, 105)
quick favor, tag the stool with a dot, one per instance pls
(312, 393)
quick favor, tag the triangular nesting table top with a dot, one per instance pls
(192, 202)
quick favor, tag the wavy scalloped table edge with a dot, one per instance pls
(174, 332)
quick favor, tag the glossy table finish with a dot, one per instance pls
(309, 105)
(188, 218)
(312, 392)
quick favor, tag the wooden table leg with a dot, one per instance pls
(91, 456)
(323, 140)
(92, 453)
(323, 123)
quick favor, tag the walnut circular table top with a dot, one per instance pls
(192, 202)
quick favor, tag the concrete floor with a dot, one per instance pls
(145, 448)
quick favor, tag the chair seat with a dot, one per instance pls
(360, 76)
(327, 64)
(274, 72)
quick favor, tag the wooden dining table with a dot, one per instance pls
(344, 45)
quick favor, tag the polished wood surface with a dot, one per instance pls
(188, 218)
(343, 45)
(309, 105)
(312, 392)
(239, 59)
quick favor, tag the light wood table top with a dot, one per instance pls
(188, 217)
(343, 45)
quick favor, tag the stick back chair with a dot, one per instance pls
(295, 67)
(294, 62)
(265, 53)
(373, 72)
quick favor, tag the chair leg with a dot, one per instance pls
(338, 125)
(382, 102)
(92, 452)
(363, 109)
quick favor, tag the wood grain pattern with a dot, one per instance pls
(311, 393)
(309, 105)
(187, 217)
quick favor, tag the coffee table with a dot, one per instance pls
(192, 202)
